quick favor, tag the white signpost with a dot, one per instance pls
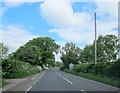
(71, 66)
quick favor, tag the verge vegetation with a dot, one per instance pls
(104, 72)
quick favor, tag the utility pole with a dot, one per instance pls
(95, 40)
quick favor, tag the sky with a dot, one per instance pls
(62, 20)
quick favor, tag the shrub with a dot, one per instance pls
(114, 69)
(110, 69)
(18, 69)
(85, 67)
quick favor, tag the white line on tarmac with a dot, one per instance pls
(41, 75)
(59, 75)
(67, 80)
(36, 81)
(83, 91)
(29, 88)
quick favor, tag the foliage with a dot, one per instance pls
(110, 69)
(107, 46)
(70, 54)
(87, 54)
(3, 51)
(84, 67)
(30, 54)
(18, 69)
(38, 51)
(107, 50)
(59, 64)
(2, 82)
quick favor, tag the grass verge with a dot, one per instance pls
(2, 83)
(19, 75)
(106, 80)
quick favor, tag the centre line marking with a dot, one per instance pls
(67, 80)
(59, 75)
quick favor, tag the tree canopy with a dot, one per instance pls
(37, 51)
(70, 53)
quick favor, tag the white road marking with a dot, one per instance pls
(41, 75)
(29, 88)
(67, 80)
(36, 81)
(59, 75)
(35, 76)
(83, 91)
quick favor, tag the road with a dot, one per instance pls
(56, 80)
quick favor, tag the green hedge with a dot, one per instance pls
(110, 69)
(18, 69)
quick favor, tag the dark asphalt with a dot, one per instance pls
(56, 80)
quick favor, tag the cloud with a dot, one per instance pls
(79, 26)
(60, 14)
(7, 5)
(73, 34)
(58, 56)
(107, 8)
(23, 0)
(79, 35)
(15, 36)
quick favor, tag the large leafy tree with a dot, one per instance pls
(37, 51)
(31, 54)
(87, 54)
(45, 43)
(70, 54)
(48, 47)
(107, 49)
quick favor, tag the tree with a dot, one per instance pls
(70, 54)
(87, 54)
(30, 54)
(107, 50)
(37, 51)
(48, 47)
(3, 51)
(45, 43)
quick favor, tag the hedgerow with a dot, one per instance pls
(110, 69)
(18, 69)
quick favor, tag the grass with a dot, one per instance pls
(23, 74)
(2, 82)
(106, 80)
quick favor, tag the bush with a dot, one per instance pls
(18, 69)
(110, 69)
(85, 67)
(62, 68)
(98, 69)
(114, 69)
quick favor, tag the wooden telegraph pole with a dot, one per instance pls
(95, 40)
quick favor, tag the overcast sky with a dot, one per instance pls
(62, 20)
